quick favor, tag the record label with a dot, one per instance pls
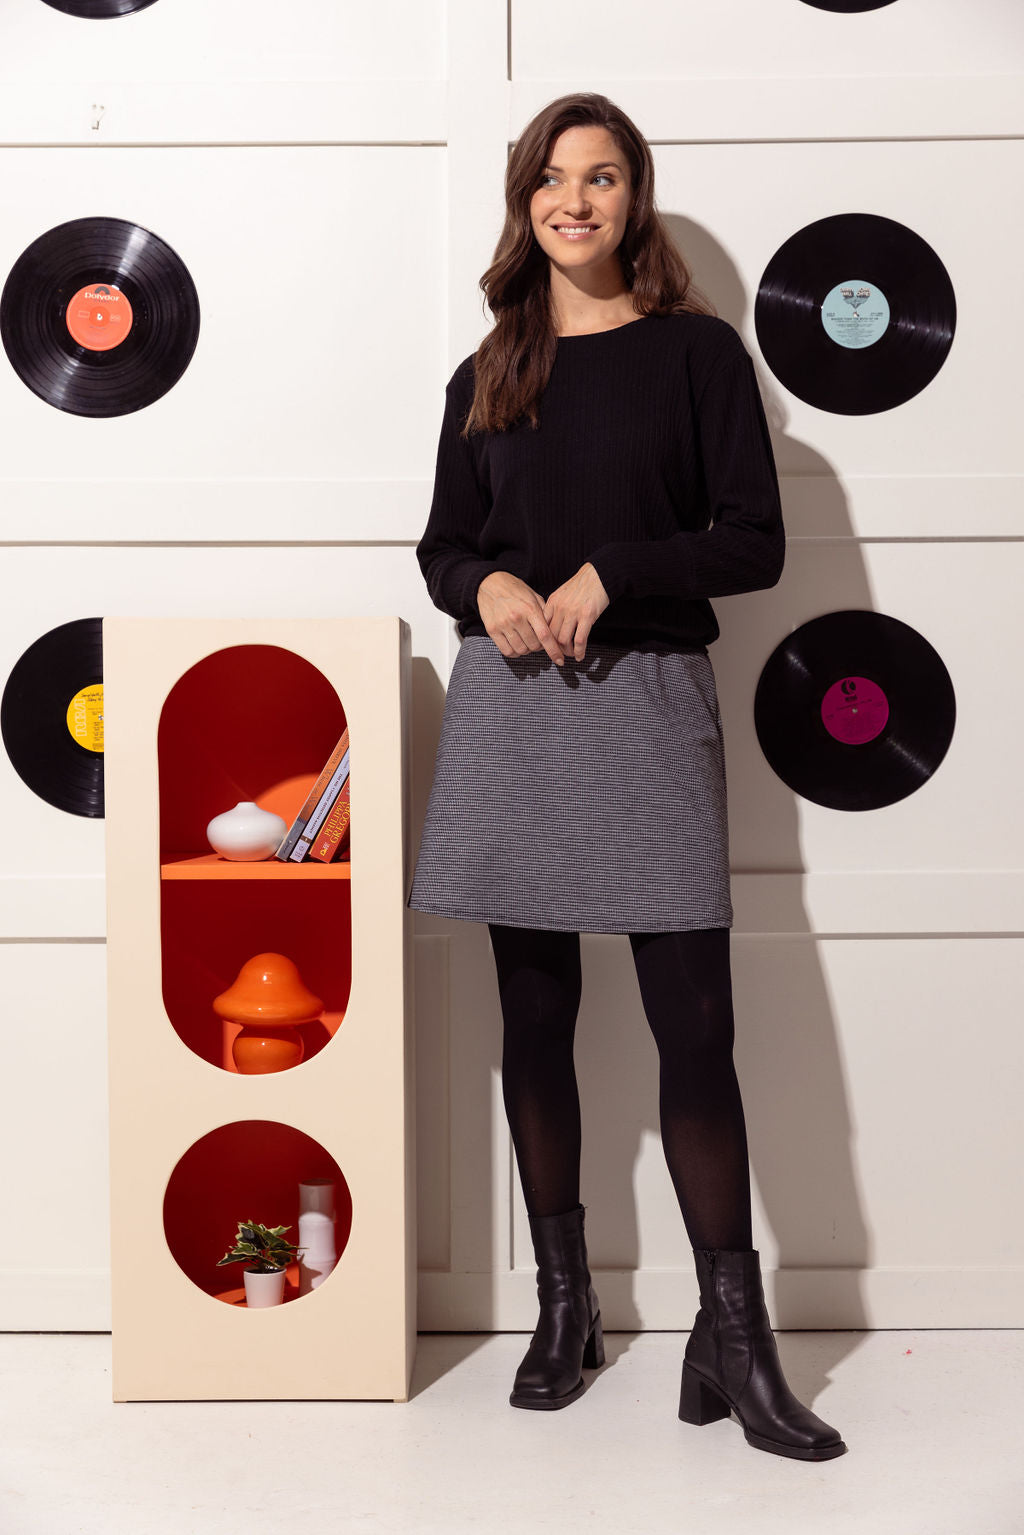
(855, 710)
(855, 313)
(85, 717)
(99, 317)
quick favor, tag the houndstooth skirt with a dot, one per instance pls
(589, 797)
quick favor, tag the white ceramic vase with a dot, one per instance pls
(247, 833)
(317, 1250)
(263, 1289)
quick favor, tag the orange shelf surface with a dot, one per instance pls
(212, 866)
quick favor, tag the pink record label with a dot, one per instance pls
(854, 710)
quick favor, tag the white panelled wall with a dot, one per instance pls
(336, 191)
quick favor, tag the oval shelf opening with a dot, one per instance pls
(257, 723)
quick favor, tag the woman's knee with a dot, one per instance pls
(686, 988)
(539, 976)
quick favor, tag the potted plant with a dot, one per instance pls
(266, 1255)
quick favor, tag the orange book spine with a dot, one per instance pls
(333, 836)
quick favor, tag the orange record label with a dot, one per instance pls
(99, 317)
(85, 717)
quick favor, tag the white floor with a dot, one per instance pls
(933, 1421)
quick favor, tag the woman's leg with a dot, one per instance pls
(686, 988)
(731, 1360)
(539, 984)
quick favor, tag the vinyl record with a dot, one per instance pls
(845, 5)
(51, 717)
(99, 317)
(855, 314)
(854, 710)
(97, 10)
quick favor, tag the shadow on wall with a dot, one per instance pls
(787, 1051)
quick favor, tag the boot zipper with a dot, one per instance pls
(712, 1255)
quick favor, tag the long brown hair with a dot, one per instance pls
(514, 360)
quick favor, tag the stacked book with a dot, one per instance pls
(320, 830)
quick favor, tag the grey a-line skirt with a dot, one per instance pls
(588, 797)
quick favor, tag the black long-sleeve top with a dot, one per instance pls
(652, 461)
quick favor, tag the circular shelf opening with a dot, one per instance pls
(251, 1170)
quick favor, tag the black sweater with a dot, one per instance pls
(648, 433)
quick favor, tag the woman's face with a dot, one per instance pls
(582, 201)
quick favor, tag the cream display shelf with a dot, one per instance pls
(199, 714)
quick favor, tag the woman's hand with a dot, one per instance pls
(513, 615)
(573, 607)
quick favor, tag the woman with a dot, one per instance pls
(605, 421)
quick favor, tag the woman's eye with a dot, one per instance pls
(601, 176)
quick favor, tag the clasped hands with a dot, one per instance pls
(519, 620)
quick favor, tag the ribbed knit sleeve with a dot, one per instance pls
(448, 553)
(744, 548)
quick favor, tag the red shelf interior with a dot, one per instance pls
(208, 933)
(247, 1170)
(252, 722)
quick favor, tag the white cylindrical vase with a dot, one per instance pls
(318, 1252)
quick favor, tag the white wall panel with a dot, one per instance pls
(232, 72)
(758, 39)
(742, 110)
(53, 1137)
(226, 40)
(321, 331)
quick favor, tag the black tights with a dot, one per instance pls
(686, 988)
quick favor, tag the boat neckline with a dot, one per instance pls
(588, 335)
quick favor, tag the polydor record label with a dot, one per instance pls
(99, 317)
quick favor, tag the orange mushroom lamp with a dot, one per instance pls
(269, 999)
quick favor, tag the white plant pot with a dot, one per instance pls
(247, 833)
(264, 1289)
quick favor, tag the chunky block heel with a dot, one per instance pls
(593, 1353)
(699, 1403)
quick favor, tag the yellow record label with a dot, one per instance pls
(85, 717)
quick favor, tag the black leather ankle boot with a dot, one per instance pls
(731, 1361)
(568, 1334)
